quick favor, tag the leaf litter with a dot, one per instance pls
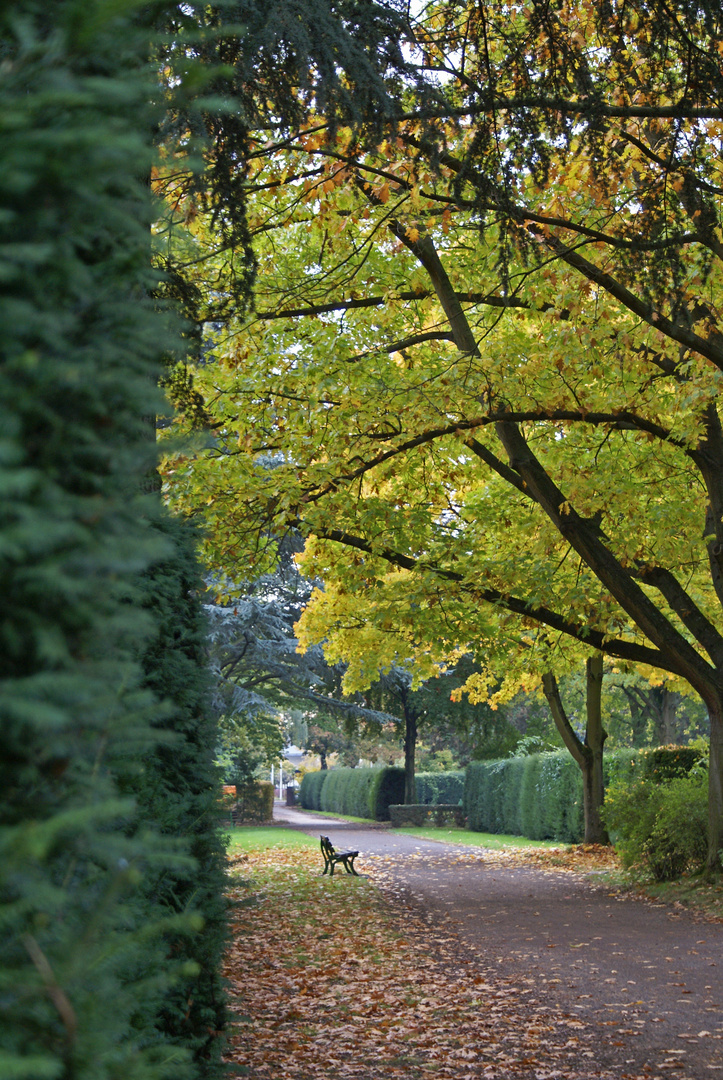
(333, 976)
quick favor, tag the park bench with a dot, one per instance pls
(332, 857)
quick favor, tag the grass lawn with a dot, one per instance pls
(493, 841)
(259, 837)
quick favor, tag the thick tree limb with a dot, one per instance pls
(585, 539)
(617, 647)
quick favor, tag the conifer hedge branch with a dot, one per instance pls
(110, 857)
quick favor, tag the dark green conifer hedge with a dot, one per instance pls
(110, 858)
(360, 792)
(540, 796)
(310, 789)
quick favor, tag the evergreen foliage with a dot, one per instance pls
(388, 789)
(445, 787)
(109, 851)
(539, 796)
(310, 789)
(178, 791)
(365, 793)
(349, 791)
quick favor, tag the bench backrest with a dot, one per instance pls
(327, 848)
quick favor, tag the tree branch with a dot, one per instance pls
(617, 647)
(567, 733)
(583, 536)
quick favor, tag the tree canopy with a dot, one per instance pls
(487, 352)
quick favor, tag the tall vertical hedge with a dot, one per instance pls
(109, 854)
(539, 796)
(179, 792)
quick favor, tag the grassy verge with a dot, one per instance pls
(259, 837)
(333, 814)
(493, 841)
(696, 894)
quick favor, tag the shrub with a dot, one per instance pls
(668, 762)
(440, 787)
(510, 802)
(388, 788)
(561, 798)
(111, 853)
(539, 796)
(480, 801)
(179, 789)
(365, 793)
(531, 803)
(661, 827)
(346, 791)
(254, 803)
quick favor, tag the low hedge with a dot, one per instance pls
(254, 803)
(424, 814)
(434, 788)
(364, 793)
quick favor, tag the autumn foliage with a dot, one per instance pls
(333, 976)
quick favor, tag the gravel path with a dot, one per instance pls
(650, 977)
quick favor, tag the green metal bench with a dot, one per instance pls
(332, 857)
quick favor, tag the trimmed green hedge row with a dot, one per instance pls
(434, 788)
(540, 796)
(364, 793)
(310, 789)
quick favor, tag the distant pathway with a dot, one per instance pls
(650, 977)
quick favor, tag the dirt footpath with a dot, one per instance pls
(648, 977)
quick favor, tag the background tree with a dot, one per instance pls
(261, 678)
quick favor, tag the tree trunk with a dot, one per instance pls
(588, 755)
(410, 746)
(668, 709)
(715, 783)
(592, 771)
(638, 717)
